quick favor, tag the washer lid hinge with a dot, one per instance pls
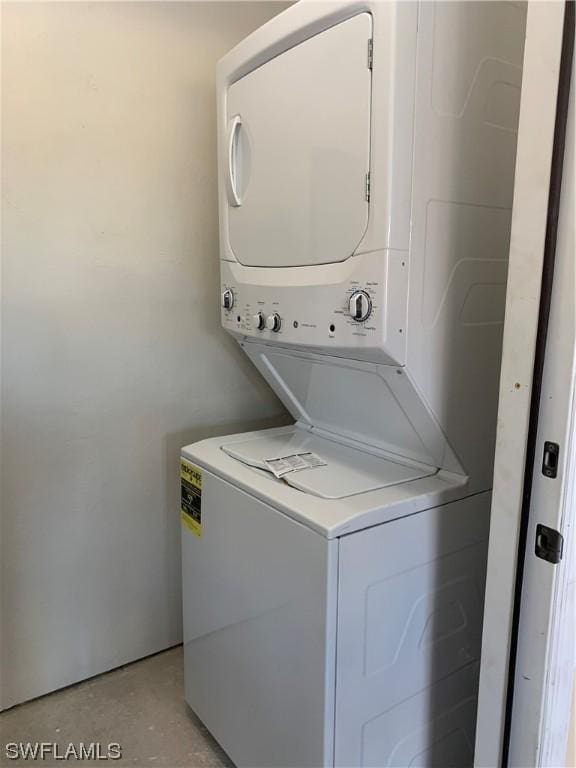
(367, 188)
(370, 53)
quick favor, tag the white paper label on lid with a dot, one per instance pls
(295, 462)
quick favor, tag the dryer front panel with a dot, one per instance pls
(297, 151)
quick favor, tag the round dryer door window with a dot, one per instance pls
(298, 151)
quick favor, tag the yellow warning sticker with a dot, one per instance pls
(191, 497)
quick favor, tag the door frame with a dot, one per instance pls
(530, 281)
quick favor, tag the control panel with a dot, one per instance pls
(363, 315)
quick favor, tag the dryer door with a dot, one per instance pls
(298, 150)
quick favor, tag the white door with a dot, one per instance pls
(298, 147)
(544, 671)
(528, 644)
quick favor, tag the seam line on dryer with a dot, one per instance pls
(324, 264)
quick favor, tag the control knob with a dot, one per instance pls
(259, 321)
(360, 306)
(273, 322)
(228, 299)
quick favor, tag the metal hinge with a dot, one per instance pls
(367, 188)
(370, 53)
(549, 544)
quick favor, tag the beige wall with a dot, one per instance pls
(112, 352)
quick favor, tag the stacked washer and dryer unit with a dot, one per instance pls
(334, 569)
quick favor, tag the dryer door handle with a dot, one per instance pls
(231, 175)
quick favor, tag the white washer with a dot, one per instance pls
(328, 629)
(332, 616)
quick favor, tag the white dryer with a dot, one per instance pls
(334, 570)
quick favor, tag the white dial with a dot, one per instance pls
(360, 306)
(273, 322)
(228, 299)
(259, 320)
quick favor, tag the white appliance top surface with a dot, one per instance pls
(330, 517)
(345, 471)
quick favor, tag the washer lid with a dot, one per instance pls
(344, 471)
(375, 407)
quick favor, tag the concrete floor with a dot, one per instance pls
(140, 706)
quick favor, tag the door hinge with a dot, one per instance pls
(370, 53)
(367, 188)
(549, 544)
